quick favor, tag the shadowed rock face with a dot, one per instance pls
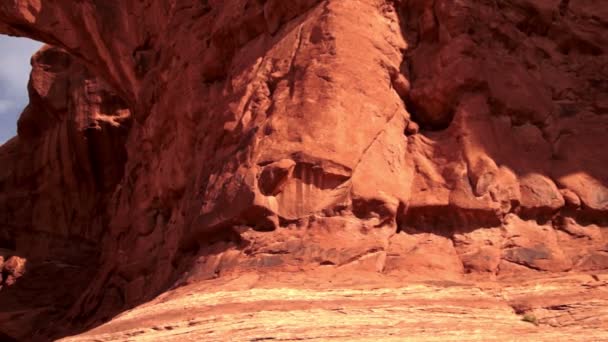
(172, 142)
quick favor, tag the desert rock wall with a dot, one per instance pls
(171, 142)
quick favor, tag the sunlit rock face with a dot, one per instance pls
(173, 142)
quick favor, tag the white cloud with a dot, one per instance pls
(6, 106)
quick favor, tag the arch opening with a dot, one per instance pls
(14, 75)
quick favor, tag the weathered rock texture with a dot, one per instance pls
(171, 142)
(370, 309)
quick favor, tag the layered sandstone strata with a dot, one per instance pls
(173, 142)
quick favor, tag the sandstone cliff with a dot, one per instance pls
(170, 142)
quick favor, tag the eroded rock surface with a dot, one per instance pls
(170, 143)
(366, 308)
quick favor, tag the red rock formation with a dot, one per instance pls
(63, 167)
(429, 139)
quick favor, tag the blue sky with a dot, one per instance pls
(15, 69)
